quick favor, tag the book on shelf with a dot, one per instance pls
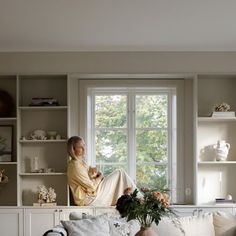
(223, 114)
(223, 200)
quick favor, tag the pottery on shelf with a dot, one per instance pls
(52, 134)
(221, 150)
(38, 134)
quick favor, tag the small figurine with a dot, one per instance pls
(3, 177)
(46, 195)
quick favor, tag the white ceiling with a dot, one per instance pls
(117, 25)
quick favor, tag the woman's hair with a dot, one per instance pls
(72, 141)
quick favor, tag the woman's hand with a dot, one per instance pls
(99, 175)
(92, 172)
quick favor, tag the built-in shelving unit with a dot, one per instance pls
(21, 190)
(51, 153)
(215, 178)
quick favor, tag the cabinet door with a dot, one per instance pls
(65, 213)
(11, 222)
(106, 210)
(185, 211)
(203, 210)
(38, 221)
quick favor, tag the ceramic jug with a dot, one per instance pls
(221, 150)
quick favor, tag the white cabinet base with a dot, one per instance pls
(11, 222)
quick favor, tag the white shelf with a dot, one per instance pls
(8, 119)
(216, 162)
(44, 141)
(214, 119)
(8, 163)
(43, 174)
(35, 108)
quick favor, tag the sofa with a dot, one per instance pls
(208, 224)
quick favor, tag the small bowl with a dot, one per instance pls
(52, 133)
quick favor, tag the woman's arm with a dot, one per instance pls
(81, 177)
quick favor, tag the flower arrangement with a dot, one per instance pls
(46, 195)
(146, 207)
(222, 107)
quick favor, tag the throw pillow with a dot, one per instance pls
(168, 226)
(97, 226)
(120, 227)
(225, 224)
(198, 225)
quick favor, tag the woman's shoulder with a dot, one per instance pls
(75, 163)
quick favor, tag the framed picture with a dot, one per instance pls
(6, 141)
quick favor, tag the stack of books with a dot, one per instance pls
(45, 204)
(223, 201)
(223, 114)
(44, 102)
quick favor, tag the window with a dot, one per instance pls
(135, 129)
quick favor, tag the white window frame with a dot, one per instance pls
(103, 81)
(131, 126)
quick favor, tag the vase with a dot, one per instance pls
(221, 150)
(147, 231)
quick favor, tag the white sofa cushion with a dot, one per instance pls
(96, 226)
(224, 223)
(198, 225)
(168, 227)
(105, 225)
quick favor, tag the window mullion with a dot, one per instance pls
(131, 135)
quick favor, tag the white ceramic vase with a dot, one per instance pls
(221, 150)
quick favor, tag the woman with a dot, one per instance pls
(90, 189)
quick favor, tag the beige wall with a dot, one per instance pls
(125, 62)
(118, 62)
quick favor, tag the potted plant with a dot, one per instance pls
(146, 206)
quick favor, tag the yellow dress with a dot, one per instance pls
(96, 192)
(82, 187)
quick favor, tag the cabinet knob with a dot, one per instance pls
(195, 212)
(60, 210)
(56, 211)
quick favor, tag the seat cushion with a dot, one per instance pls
(224, 223)
(198, 225)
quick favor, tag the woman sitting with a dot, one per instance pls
(89, 188)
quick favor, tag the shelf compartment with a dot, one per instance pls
(8, 83)
(209, 133)
(44, 119)
(8, 191)
(48, 86)
(29, 188)
(50, 155)
(215, 89)
(215, 181)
